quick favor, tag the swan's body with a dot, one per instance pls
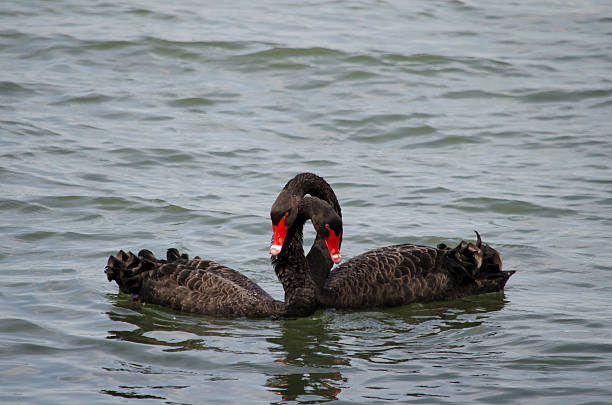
(197, 285)
(206, 287)
(401, 274)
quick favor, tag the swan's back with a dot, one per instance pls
(402, 274)
(389, 276)
(196, 285)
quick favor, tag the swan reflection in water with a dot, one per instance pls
(313, 356)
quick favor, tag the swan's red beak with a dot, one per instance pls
(280, 231)
(333, 245)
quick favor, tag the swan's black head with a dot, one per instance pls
(283, 214)
(288, 210)
(327, 224)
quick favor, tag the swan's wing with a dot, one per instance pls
(196, 285)
(401, 274)
(393, 275)
(173, 256)
(226, 273)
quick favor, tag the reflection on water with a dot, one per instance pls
(311, 360)
(165, 327)
(311, 357)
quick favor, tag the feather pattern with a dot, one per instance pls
(207, 287)
(196, 285)
(403, 274)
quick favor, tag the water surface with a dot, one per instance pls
(156, 125)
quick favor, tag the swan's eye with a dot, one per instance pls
(326, 226)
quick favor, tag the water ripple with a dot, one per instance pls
(509, 207)
(564, 96)
(156, 125)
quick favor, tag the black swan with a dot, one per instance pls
(399, 274)
(196, 285)
(204, 286)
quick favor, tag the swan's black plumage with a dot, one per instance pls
(393, 275)
(288, 200)
(291, 266)
(206, 287)
(197, 285)
(402, 274)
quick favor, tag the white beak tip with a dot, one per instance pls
(275, 250)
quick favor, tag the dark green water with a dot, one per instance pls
(158, 124)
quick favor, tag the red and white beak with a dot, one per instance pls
(280, 231)
(333, 245)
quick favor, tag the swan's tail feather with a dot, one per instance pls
(118, 269)
(124, 268)
(173, 255)
(478, 263)
(127, 269)
(146, 255)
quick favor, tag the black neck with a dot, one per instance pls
(316, 186)
(292, 268)
(319, 261)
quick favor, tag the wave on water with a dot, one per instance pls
(176, 124)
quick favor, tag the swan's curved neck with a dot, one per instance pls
(293, 271)
(316, 186)
(319, 261)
